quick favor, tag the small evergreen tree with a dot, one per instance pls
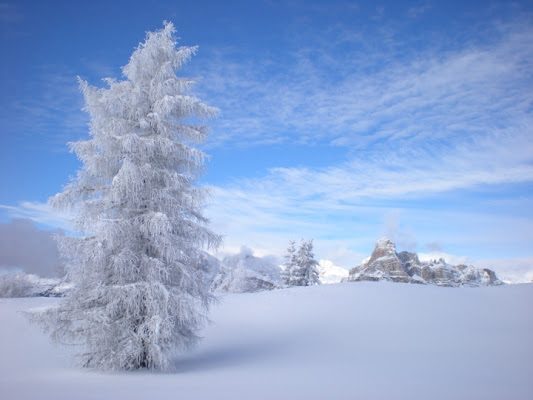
(136, 265)
(309, 264)
(290, 264)
(305, 272)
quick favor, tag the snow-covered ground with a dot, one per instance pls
(342, 341)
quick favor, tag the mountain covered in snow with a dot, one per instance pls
(243, 272)
(246, 273)
(29, 285)
(385, 264)
(330, 273)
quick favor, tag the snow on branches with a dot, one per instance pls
(300, 267)
(136, 263)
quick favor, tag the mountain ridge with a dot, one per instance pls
(385, 264)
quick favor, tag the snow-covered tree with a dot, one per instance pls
(136, 262)
(289, 264)
(309, 264)
(305, 272)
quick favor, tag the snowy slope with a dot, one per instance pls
(365, 340)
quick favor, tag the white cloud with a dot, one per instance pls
(40, 213)
(413, 124)
(447, 120)
(267, 214)
(453, 118)
(393, 231)
(326, 96)
(513, 270)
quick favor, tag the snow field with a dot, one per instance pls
(344, 341)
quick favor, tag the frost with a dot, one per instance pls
(139, 293)
(300, 269)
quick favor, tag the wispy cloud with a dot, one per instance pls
(40, 213)
(471, 91)
(413, 124)
(265, 214)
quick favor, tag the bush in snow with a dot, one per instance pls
(137, 264)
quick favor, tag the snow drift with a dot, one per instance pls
(365, 340)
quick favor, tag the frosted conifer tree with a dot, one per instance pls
(136, 265)
(310, 265)
(290, 263)
(305, 273)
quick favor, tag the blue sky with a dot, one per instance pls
(341, 121)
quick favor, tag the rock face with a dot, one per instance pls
(386, 265)
(243, 272)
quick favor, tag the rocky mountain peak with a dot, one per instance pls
(385, 264)
(383, 248)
